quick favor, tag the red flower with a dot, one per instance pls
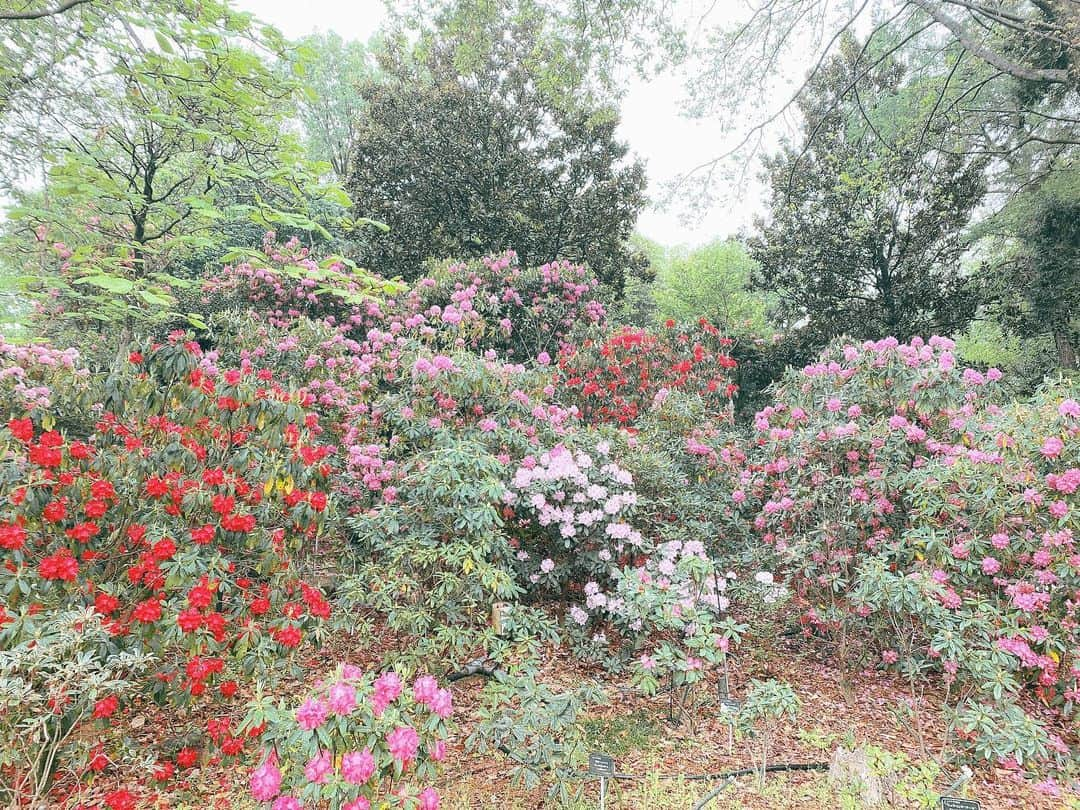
(216, 623)
(12, 536)
(106, 707)
(105, 603)
(21, 429)
(259, 606)
(223, 504)
(231, 746)
(45, 456)
(80, 450)
(164, 770)
(288, 636)
(200, 597)
(135, 357)
(83, 532)
(102, 490)
(156, 487)
(60, 565)
(228, 688)
(55, 511)
(318, 501)
(204, 535)
(148, 611)
(164, 549)
(187, 757)
(98, 761)
(122, 799)
(189, 620)
(95, 509)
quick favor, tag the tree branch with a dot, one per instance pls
(987, 54)
(42, 13)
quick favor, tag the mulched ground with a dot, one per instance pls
(636, 730)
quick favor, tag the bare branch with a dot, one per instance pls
(39, 14)
(988, 54)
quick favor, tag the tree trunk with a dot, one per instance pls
(1066, 352)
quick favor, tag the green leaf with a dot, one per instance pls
(114, 284)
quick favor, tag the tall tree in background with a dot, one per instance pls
(1036, 266)
(179, 129)
(331, 104)
(463, 156)
(865, 229)
(712, 282)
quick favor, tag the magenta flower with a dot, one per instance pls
(442, 704)
(403, 743)
(357, 767)
(311, 714)
(288, 803)
(429, 799)
(265, 782)
(342, 698)
(319, 767)
(425, 689)
(359, 803)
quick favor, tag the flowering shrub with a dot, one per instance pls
(519, 313)
(47, 384)
(675, 610)
(356, 741)
(906, 504)
(570, 517)
(619, 378)
(177, 522)
(285, 282)
(49, 685)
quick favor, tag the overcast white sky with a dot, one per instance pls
(651, 123)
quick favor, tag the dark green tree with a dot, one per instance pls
(866, 228)
(1035, 244)
(462, 157)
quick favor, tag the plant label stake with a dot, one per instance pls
(952, 803)
(603, 766)
(729, 707)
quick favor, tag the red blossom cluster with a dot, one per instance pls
(621, 377)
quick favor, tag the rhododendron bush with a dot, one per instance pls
(618, 377)
(908, 503)
(354, 742)
(178, 521)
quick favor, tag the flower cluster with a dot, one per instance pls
(354, 740)
(177, 521)
(619, 378)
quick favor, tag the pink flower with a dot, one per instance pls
(357, 767)
(890, 656)
(1052, 447)
(437, 751)
(359, 803)
(311, 714)
(834, 404)
(1059, 509)
(1070, 407)
(319, 767)
(265, 781)
(351, 672)
(342, 698)
(424, 689)
(403, 742)
(288, 803)
(990, 566)
(387, 689)
(442, 704)
(429, 799)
